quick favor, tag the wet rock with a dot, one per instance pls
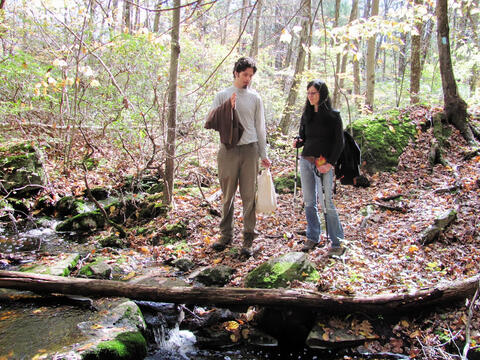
(99, 193)
(125, 346)
(279, 272)
(215, 276)
(21, 170)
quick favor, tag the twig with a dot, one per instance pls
(466, 348)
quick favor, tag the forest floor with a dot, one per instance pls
(383, 226)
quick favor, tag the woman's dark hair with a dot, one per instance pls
(243, 64)
(324, 104)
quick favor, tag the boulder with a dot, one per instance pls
(83, 223)
(215, 276)
(60, 265)
(21, 170)
(280, 271)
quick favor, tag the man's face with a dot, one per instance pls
(243, 78)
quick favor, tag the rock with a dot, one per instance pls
(21, 170)
(113, 241)
(125, 346)
(83, 223)
(69, 205)
(279, 272)
(215, 276)
(98, 193)
(184, 264)
(61, 265)
(98, 269)
(339, 333)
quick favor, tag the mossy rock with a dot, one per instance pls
(113, 241)
(69, 205)
(176, 231)
(21, 169)
(99, 193)
(97, 269)
(279, 272)
(215, 276)
(126, 346)
(286, 183)
(383, 138)
(61, 266)
(83, 223)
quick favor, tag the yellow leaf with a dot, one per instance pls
(130, 275)
(325, 337)
(218, 260)
(392, 129)
(412, 249)
(231, 325)
(415, 334)
(144, 250)
(97, 326)
(24, 65)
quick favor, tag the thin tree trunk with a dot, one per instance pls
(454, 106)
(355, 63)
(415, 63)
(156, 19)
(336, 90)
(2, 3)
(443, 293)
(243, 15)
(172, 103)
(254, 48)
(371, 62)
(127, 16)
(137, 16)
(297, 76)
(223, 37)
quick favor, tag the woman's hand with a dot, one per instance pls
(323, 169)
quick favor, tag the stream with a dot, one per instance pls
(33, 326)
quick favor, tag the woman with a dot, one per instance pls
(321, 135)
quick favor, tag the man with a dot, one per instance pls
(237, 113)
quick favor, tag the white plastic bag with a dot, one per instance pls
(266, 197)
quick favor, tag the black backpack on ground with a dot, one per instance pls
(347, 169)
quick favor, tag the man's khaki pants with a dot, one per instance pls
(238, 167)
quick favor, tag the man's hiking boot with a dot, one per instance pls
(221, 244)
(246, 250)
(308, 245)
(336, 251)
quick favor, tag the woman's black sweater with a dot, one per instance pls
(322, 135)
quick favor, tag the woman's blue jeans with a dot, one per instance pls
(312, 195)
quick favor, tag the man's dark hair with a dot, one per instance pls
(243, 64)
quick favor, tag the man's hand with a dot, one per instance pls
(266, 163)
(232, 100)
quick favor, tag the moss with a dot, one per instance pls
(126, 346)
(85, 222)
(87, 269)
(280, 273)
(383, 138)
(286, 183)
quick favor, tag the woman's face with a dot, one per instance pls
(313, 95)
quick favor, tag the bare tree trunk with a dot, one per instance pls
(343, 67)
(254, 48)
(427, 36)
(289, 108)
(172, 104)
(2, 3)
(137, 16)
(443, 293)
(156, 19)
(371, 62)
(127, 16)
(243, 15)
(336, 90)
(415, 64)
(223, 37)
(454, 106)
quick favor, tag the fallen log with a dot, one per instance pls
(444, 293)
